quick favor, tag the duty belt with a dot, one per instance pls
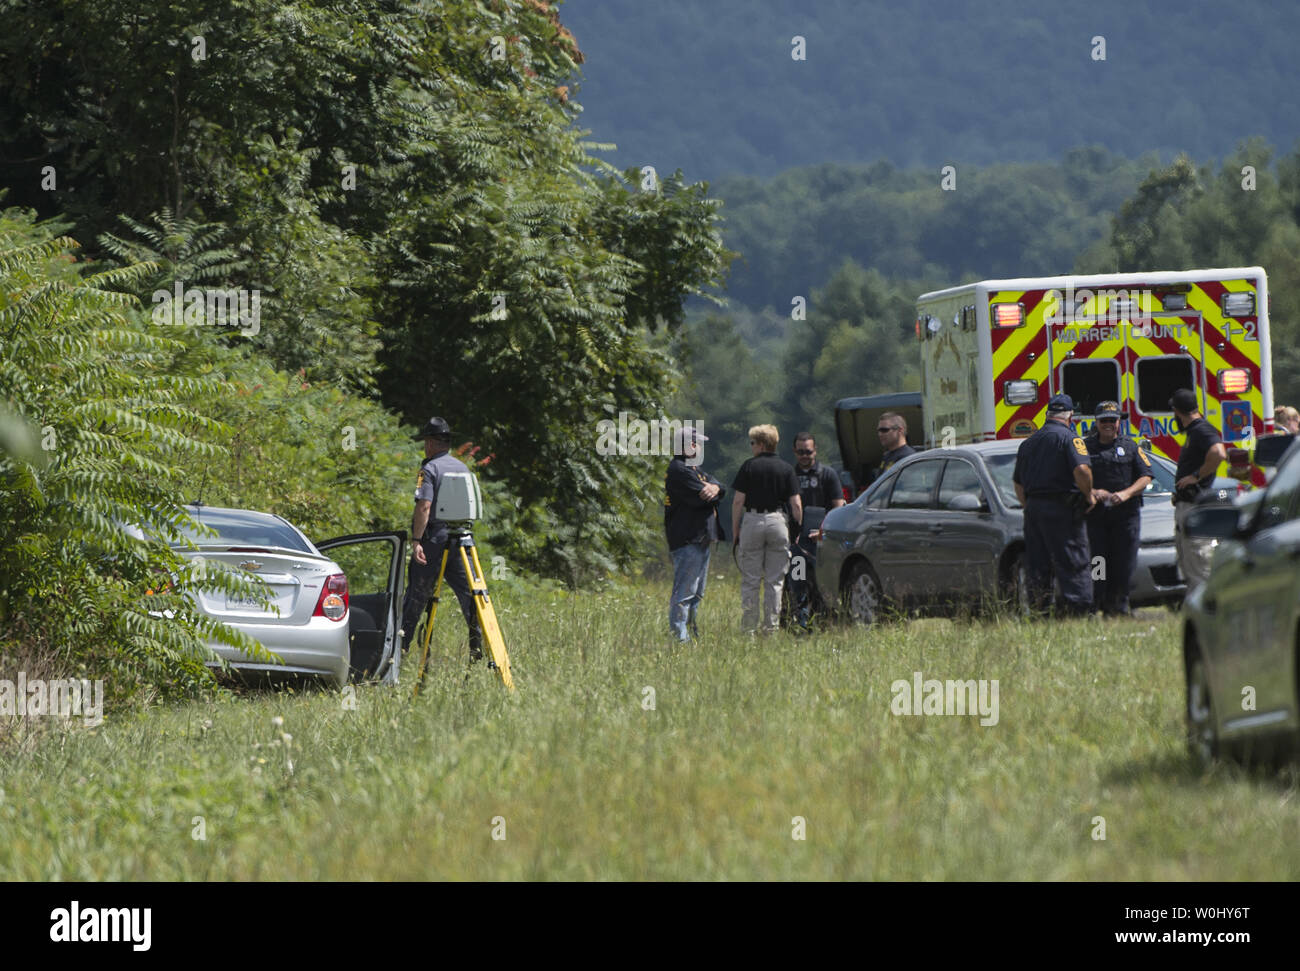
(754, 509)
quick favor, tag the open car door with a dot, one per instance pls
(375, 564)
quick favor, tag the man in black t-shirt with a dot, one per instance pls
(691, 498)
(1197, 463)
(764, 487)
(819, 492)
(892, 429)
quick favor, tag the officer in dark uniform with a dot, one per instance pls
(1120, 474)
(432, 539)
(1053, 480)
(819, 492)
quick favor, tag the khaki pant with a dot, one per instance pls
(764, 556)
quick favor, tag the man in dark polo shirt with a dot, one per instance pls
(1053, 480)
(763, 488)
(819, 492)
(1199, 460)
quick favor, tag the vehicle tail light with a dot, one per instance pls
(1239, 464)
(333, 599)
(1023, 392)
(1008, 314)
(1234, 380)
(847, 492)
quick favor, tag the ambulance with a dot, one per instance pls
(994, 352)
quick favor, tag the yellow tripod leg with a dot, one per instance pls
(487, 616)
(428, 623)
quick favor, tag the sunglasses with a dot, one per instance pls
(1108, 421)
(804, 451)
(887, 428)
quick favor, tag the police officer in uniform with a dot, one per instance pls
(1053, 480)
(819, 492)
(432, 536)
(1120, 474)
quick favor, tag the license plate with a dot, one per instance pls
(236, 601)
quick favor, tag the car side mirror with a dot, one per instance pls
(1212, 522)
(965, 502)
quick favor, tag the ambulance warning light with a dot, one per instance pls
(1008, 314)
(1234, 380)
(1238, 304)
(1023, 392)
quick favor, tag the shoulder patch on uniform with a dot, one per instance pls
(1143, 456)
(1080, 447)
(419, 479)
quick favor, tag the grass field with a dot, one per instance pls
(584, 781)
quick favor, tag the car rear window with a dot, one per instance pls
(241, 529)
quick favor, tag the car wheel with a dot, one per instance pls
(1202, 733)
(862, 599)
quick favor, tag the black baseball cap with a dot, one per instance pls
(433, 428)
(1060, 403)
(1108, 409)
(1184, 400)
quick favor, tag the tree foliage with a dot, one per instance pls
(82, 373)
(405, 184)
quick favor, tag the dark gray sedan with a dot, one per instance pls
(1241, 627)
(943, 529)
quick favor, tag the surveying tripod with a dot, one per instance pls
(463, 542)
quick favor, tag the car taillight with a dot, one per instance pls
(848, 493)
(333, 599)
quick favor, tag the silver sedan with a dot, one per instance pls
(328, 616)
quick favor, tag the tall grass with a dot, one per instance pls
(591, 784)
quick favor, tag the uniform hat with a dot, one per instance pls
(1184, 400)
(684, 436)
(1108, 409)
(433, 428)
(1060, 403)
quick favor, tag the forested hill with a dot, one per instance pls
(712, 87)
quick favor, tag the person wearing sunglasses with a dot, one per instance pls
(819, 492)
(892, 430)
(1121, 472)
